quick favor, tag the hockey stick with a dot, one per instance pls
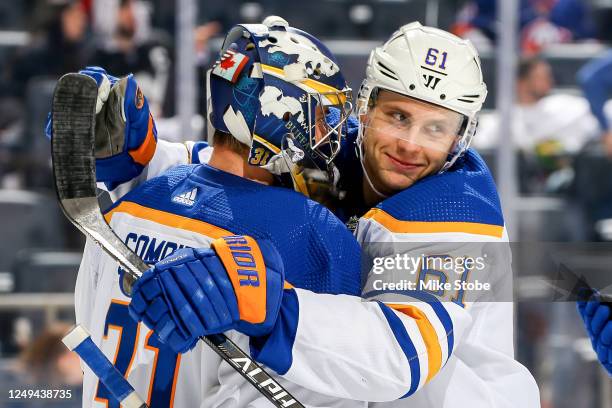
(73, 116)
(79, 341)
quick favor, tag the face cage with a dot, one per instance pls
(328, 147)
(311, 177)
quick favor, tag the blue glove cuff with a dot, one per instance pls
(275, 349)
(117, 169)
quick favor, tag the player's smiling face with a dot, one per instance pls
(406, 140)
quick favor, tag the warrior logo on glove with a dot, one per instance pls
(237, 284)
(245, 267)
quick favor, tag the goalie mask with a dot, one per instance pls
(438, 70)
(271, 89)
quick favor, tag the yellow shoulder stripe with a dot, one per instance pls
(429, 227)
(168, 219)
(172, 220)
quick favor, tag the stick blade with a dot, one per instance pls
(74, 167)
(72, 145)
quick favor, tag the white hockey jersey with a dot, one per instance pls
(430, 347)
(189, 206)
(453, 217)
(430, 339)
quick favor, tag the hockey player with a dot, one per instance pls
(432, 198)
(298, 243)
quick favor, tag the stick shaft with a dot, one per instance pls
(79, 341)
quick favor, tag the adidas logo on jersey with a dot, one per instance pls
(187, 198)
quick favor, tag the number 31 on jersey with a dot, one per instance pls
(123, 340)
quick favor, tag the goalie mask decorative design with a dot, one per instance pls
(271, 89)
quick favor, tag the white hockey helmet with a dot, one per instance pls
(433, 66)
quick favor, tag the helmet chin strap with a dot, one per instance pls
(361, 155)
(360, 136)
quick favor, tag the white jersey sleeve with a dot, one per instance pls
(360, 349)
(167, 155)
(481, 370)
(404, 345)
(153, 229)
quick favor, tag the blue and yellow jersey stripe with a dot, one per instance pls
(172, 220)
(432, 227)
(168, 219)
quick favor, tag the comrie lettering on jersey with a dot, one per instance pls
(151, 249)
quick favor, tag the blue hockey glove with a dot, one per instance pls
(597, 318)
(126, 136)
(237, 284)
(104, 81)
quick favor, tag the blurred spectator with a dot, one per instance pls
(534, 81)
(144, 55)
(595, 78)
(542, 23)
(108, 18)
(204, 57)
(594, 165)
(58, 45)
(203, 34)
(548, 127)
(44, 364)
(558, 120)
(47, 361)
